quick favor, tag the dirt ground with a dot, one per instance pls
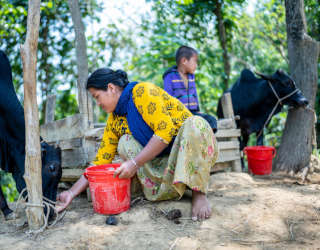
(272, 212)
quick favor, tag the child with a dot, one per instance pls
(179, 82)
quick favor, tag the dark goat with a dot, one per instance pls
(12, 142)
(255, 101)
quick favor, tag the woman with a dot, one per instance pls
(162, 144)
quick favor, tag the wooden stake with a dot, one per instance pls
(32, 174)
(227, 109)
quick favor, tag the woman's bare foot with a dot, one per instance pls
(201, 208)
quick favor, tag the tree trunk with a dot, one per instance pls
(295, 149)
(84, 100)
(45, 84)
(32, 174)
(223, 43)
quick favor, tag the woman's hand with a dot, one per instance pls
(127, 170)
(64, 199)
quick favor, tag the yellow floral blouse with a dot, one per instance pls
(163, 113)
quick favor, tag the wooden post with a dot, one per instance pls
(84, 99)
(227, 109)
(32, 173)
(50, 108)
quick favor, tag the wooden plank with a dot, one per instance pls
(229, 113)
(92, 147)
(71, 174)
(228, 145)
(236, 166)
(50, 108)
(67, 128)
(99, 125)
(223, 133)
(226, 123)
(220, 166)
(70, 143)
(228, 155)
(94, 133)
(75, 158)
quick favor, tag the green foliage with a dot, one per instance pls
(8, 186)
(56, 49)
(260, 41)
(312, 9)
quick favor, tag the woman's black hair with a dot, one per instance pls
(100, 78)
(185, 51)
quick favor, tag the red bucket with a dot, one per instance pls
(109, 195)
(260, 159)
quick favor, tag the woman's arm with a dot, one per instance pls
(65, 198)
(149, 152)
(106, 152)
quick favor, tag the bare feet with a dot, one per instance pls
(201, 208)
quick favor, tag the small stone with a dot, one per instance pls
(111, 220)
(174, 214)
(177, 221)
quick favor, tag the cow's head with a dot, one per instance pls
(284, 85)
(51, 170)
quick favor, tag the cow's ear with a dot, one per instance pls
(263, 76)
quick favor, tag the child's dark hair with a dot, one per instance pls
(100, 78)
(185, 51)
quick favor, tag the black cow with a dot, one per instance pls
(254, 99)
(12, 141)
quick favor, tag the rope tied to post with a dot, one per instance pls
(46, 203)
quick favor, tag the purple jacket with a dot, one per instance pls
(173, 84)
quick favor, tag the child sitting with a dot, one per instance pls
(179, 82)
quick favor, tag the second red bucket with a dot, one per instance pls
(109, 195)
(260, 159)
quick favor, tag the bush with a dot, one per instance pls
(8, 186)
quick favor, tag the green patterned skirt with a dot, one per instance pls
(192, 156)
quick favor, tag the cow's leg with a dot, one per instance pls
(4, 206)
(243, 143)
(259, 139)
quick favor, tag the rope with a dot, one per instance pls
(275, 107)
(47, 203)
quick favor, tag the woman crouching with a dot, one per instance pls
(164, 147)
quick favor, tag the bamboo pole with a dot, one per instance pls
(32, 174)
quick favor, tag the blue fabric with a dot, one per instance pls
(125, 107)
(139, 128)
